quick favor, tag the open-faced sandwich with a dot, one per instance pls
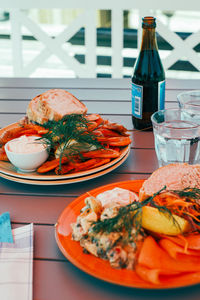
(77, 141)
(154, 231)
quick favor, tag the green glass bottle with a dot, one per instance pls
(148, 81)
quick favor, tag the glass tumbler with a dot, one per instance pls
(190, 102)
(176, 140)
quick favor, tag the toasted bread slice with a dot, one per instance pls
(173, 176)
(54, 105)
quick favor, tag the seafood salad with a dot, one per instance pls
(116, 246)
(157, 238)
(77, 141)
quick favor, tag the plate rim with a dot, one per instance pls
(30, 176)
(66, 181)
(147, 286)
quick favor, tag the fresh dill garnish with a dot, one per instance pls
(188, 192)
(124, 219)
(130, 216)
(70, 135)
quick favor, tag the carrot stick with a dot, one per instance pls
(27, 132)
(39, 129)
(51, 165)
(3, 155)
(102, 153)
(64, 169)
(100, 162)
(115, 141)
(8, 134)
(108, 133)
(85, 165)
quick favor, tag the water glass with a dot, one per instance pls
(190, 102)
(176, 140)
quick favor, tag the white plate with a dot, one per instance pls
(8, 169)
(65, 179)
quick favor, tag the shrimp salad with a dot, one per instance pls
(120, 248)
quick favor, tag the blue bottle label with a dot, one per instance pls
(137, 100)
(161, 95)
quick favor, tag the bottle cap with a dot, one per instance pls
(148, 22)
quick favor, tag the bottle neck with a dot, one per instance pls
(149, 41)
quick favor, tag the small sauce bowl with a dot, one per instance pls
(23, 158)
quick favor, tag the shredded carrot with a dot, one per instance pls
(192, 215)
(182, 207)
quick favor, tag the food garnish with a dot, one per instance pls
(184, 203)
(193, 193)
(70, 135)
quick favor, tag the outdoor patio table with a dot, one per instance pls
(54, 277)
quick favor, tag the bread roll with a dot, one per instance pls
(174, 177)
(54, 105)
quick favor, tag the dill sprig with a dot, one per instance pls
(70, 135)
(124, 219)
(192, 193)
(130, 216)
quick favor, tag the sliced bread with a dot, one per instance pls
(173, 176)
(54, 105)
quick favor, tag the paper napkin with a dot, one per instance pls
(16, 265)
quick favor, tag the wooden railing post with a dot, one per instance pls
(16, 39)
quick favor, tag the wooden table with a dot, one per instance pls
(54, 277)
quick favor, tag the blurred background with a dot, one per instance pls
(99, 43)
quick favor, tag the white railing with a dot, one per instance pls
(87, 19)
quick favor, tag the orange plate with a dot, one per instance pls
(93, 265)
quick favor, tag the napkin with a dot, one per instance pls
(5, 228)
(16, 265)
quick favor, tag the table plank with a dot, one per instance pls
(101, 95)
(45, 246)
(115, 95)
(39, 210)
(13, 188)
(92, 83)
(25, 207)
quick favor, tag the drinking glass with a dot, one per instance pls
(176, 140)
(190, 102)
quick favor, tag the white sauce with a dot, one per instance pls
(117, 197)
(25, 144)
